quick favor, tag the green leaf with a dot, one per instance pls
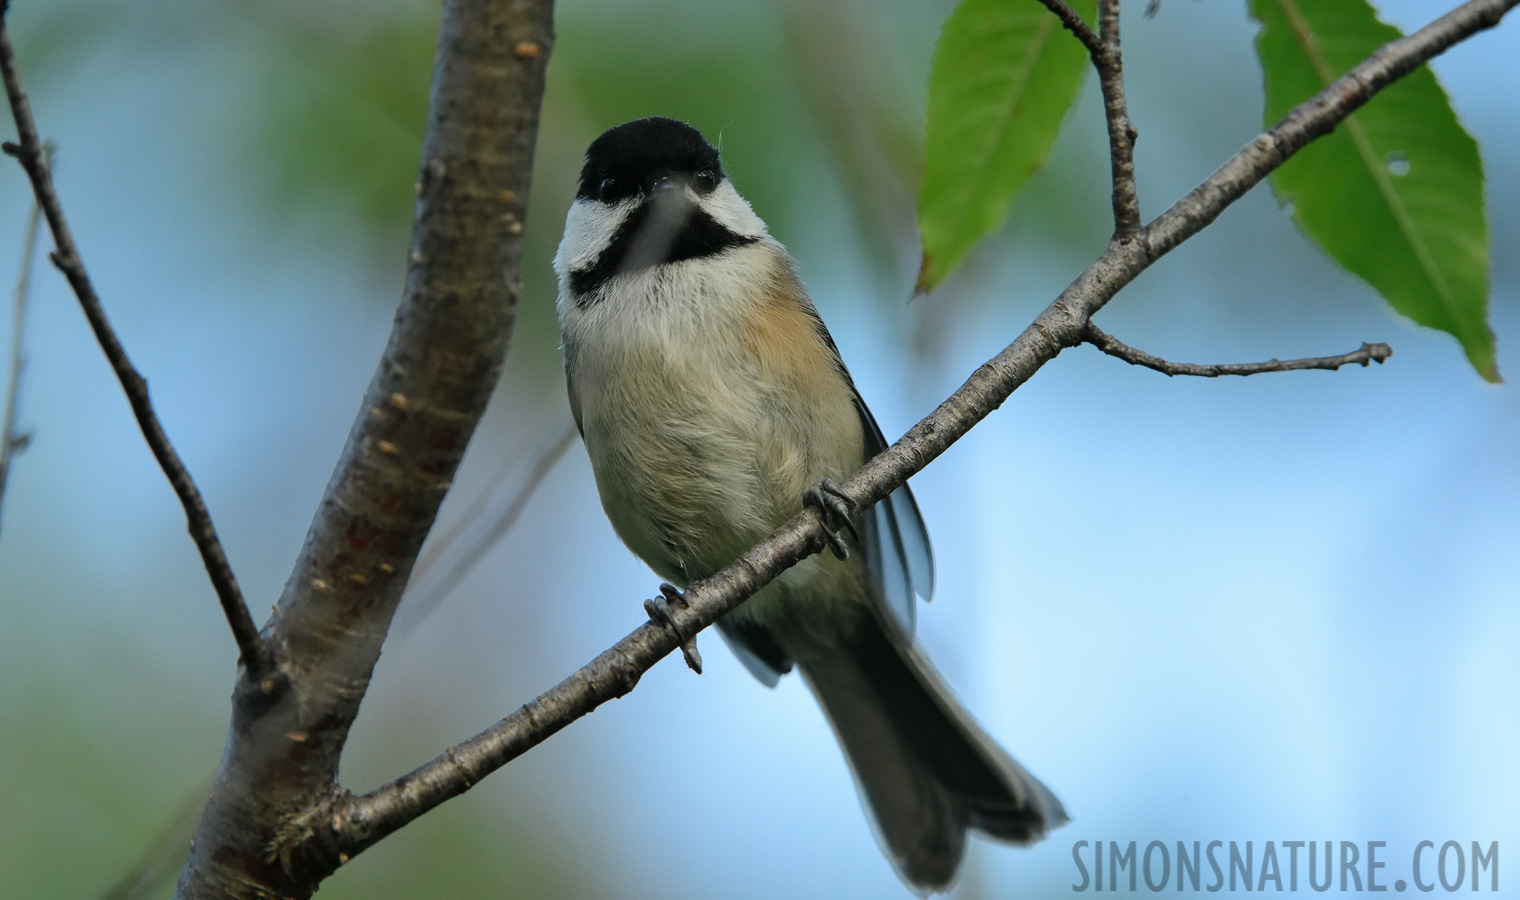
(1395, 194)
(1004, 74)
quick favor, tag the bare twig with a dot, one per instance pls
(1075, 24)
(349, 824)
(66, 258)
(11, 442)
(1367, 353)
(1121, 134)
(1107, 57)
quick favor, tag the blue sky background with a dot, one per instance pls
(1276, 608)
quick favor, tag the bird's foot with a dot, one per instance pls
(835, 508)
(659, 613)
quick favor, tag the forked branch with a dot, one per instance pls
(350, 824)
(276, 824)
(439, 368)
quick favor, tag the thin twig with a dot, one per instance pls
(1121, 134)
(1107, 57)
(66, 258)
(1367, 353)
(1075, 24)
(11, 442)
(358, 822)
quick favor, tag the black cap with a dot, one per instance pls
(632, 157)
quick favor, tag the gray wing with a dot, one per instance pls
(896, 544)
(893, 539)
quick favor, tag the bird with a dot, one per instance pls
(714, 405)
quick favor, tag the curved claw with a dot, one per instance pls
(659, 613)
(835, 507)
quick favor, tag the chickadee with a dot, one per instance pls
(712, 399)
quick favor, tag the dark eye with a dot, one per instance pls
(705, 180)
(608, 189)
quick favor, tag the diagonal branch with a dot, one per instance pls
(12, 442)
(66, 257)
(345, 825)
(1367, 353)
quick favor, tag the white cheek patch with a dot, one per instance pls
(731, 211)
(589, 228)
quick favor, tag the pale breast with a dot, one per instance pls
(709, 402)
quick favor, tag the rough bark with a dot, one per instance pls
(428, 392)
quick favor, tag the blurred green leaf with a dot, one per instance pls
(80, 796)
(339, 126)
(345, 112)
(1395, 195)
(467, 852)
(350, 120)
(1003, 78)
(617, 67)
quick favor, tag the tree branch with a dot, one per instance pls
(431, 385)
(66, 257)
(1368, 353)
(1121, 134)
(1103, 48)
(12, 442)
(347, 825)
